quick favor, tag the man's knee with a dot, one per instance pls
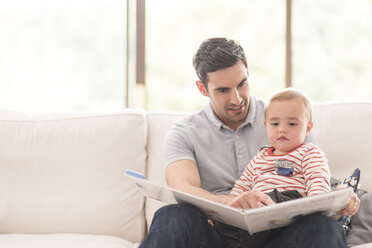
(320, 227)
(181, 225)
(178, 209)
(314, 230)
(320, 222)
(181, 213)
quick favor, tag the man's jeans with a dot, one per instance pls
(185, 226)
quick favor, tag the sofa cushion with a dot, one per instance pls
(65, 174)
(342, 132)
(62, 241)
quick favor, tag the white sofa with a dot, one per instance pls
(62, 180)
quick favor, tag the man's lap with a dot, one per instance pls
(181, 226)
(184, 225)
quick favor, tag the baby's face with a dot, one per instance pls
(287, 125)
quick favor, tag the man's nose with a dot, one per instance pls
(235, 97)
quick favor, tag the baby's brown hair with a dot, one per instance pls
(290, 94)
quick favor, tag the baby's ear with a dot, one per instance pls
(309, 127)
(265, 123)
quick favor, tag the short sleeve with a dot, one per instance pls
(178, 145)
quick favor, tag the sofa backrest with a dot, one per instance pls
(66, 174)
(343, 132)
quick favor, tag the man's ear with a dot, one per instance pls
(309, 127)
(202, 88)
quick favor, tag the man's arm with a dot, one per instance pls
(184, 175)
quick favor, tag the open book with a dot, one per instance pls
(255, 219)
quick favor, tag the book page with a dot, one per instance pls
(212, 210)
(282, 214)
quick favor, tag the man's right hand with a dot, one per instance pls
(251, 199)
(184, 175)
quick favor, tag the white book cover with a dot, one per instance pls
(255, 219)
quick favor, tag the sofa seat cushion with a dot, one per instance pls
(62, 241)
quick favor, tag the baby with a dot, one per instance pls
(289, 163)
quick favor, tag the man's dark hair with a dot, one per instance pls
(215, 54)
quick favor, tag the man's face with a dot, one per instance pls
(228, 91)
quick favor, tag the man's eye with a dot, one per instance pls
(242, 83)
(222, 90)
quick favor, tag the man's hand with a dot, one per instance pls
(251, 199)
(353, 205)
(351, 208)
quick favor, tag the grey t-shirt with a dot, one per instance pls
(220, 152)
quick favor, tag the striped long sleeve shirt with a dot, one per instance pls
(310, 172)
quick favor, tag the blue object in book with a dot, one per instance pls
(135, 174)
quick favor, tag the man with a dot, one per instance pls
(206, 152)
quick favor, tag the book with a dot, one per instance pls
(252, 220)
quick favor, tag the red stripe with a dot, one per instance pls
(307, 158)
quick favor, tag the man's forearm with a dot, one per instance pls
(184, 175)
(223, 199)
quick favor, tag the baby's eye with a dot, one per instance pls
(293, 124)
(274, 123)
